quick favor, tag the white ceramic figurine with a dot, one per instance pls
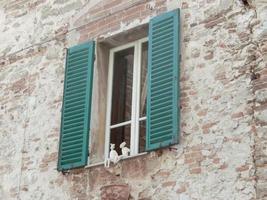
(124, 150)
(113, 156)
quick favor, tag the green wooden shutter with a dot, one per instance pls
(76, 108)
(163, 108)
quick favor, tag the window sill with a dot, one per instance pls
(102, 163)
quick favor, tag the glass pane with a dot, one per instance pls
(143, 92)
(122, 86)
(119, 135)
(142, 136)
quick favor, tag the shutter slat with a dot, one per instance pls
(72, 129)
(71, 155)
(72, 134)
(164, 105)
(66, 162)
(72, 137)
(72, 76)
(75, 53)
(166, 127)
(74, 96)
(75, 112)
(71, 147)
(73, 83)
(162, 23)
(70, 125)
(76, 107)
(158, 83)
(163, 30)
(161, 124)
(74, 116)
(162, 76)
(163, 81)
(162, 69)
(70, 142)
(76, 89)
(162, 118)
(158, 100)
(73, 103)
(78, 68)
(169, 93)
(76, 78)
(161, 90)
(80, 56)
(162, 41)
(73, 63)
(162, 48)
(158, 115)
(162, 139)
(162, 55)
(159, 134)
(166, 63)
(161, 60)
(76, 86)
(77, 71)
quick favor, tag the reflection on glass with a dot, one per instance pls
(119, 135)
(122, 86)
(142, 136)
(143, 83)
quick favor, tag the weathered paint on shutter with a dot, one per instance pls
(76, 108)
(163, 109)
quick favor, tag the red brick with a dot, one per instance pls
(169, 184)
(202, 112)
(209, 125)
(111, 3)
(223, 166)
(237, 115)
(181, 189)
(216, 160)
(212, 23)
(242, 168)
(209, 55)
(195, 171)
(184, 5)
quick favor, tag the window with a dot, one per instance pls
(131, 94)
(126, 110)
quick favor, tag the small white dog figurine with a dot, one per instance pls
(124, 150)
(113, 156)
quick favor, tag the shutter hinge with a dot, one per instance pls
(65, 172)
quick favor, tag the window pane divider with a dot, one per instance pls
(142, 118)
(120, 124)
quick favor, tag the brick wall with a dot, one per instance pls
(222, 153)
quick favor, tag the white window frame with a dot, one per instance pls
(135, 119)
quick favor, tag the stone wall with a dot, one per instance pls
(223, 148)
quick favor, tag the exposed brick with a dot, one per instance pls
(237, 115)
(242, 168)
(169, 184)
(195, 171)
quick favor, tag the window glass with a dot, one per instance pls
(119, 135)
(122, 86)
(142, 136)
(143, 81)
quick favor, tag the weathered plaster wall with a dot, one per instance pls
(222, 154)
